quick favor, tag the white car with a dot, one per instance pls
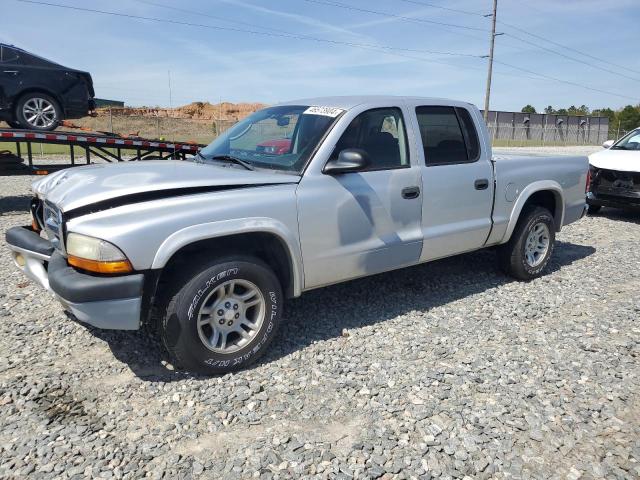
(615, 174)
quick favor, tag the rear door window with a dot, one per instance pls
(448, 135)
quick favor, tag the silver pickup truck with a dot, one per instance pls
(294, 197)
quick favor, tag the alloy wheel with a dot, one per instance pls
(537, 244)
(39, 112)
(231, 316)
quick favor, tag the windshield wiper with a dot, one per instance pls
(232, 159)
(198, 158)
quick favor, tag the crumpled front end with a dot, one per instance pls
(614, 188)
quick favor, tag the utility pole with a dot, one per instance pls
(487, 94)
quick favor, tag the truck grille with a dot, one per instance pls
(53, 224)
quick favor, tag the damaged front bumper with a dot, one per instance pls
(613, 188)
(614, 200)
(104, 302)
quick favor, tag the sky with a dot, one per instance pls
(276, 50)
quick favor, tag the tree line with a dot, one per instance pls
(621, 120)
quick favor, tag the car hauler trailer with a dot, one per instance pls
(109, 148)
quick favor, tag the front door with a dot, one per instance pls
(366, 222)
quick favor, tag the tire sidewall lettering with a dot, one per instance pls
(207, 287)
(242, 356)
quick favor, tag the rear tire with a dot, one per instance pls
(38, 111)
(208, 327)
(593, 209)
(527, 252)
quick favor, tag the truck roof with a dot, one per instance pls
(349, 101)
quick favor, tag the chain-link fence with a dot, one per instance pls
(527, 136)
(539, 129)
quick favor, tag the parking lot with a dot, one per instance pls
(445, 370)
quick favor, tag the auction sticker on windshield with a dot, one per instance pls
(326, 111)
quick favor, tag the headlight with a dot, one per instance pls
(95, 255)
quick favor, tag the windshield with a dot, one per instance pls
(630, 142)
(280, 138)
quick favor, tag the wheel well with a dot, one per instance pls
(547, 199)
(266, 246)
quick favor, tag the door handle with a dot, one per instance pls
(410, 192)
(481, 184)
(12, 72)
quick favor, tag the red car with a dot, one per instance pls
(275, 147)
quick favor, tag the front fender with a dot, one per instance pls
(540, 185)
(205, 231)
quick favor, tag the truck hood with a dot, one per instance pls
(620, 160)
(129, 182)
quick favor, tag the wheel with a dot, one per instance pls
(223, 316)
(527, 253)
(38, 111)
(593, 209)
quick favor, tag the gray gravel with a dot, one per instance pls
(447, 370)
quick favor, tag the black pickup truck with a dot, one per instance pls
(37, 94)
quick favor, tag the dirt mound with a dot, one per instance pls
(195, 110)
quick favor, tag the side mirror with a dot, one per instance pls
(283, 121)
(349, 160)
(608, 144)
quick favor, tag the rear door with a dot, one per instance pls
(361, 223)
(457, 180)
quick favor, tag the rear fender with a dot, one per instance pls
(541, 185)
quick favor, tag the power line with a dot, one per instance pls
(433, 5)
(215, 17)
(421, 20)
(368, 46)
(540, 47)
(302, 36)
(568, 82)
(393, 15)
(539, 37)
(404, 18)
(534, 35)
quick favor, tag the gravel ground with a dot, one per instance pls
(447, 370)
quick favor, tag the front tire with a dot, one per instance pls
(38, 111)
(529, 249)
(223, 316)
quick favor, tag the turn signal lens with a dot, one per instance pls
(122, 266)
(96, 255)
(34, 225)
